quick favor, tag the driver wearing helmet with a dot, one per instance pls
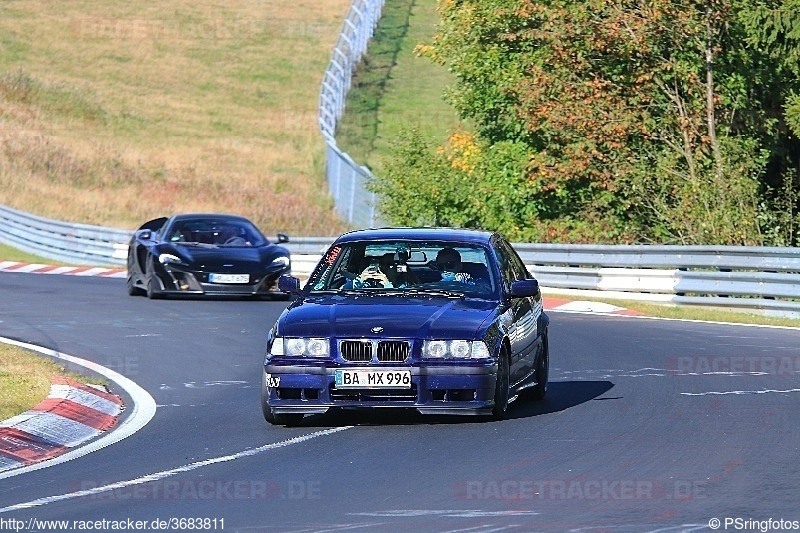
(378, 274)
(448, 263)
(373, 277)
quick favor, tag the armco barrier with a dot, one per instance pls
(62, 241)
(756, 278)
(747, 277)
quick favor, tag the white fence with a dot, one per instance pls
(346, 179)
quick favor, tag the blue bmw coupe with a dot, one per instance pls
(444, 321)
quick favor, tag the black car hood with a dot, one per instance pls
(400, 317)
(223, 258)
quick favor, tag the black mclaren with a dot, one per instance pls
(204, 254)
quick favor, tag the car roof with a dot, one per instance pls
(200, 216)
(459, 235)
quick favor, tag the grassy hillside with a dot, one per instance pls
(394, 89)
(113, 112)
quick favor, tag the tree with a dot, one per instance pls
(641, 120)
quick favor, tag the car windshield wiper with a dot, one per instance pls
(338, 291)
(433, 292)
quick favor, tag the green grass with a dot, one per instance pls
(193, 106)
(58, 100)
(9, 253)
(25, 379)
(394, 89)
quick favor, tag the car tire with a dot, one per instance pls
(539, 391)
(152, 288)
(501, 388)
(151, 284)
(286, 419)
(133, 290)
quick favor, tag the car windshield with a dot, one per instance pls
(214, 232)
(406, 268)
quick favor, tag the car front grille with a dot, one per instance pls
(373, 395)
(386, 351)
(392, 351)
(356, 351)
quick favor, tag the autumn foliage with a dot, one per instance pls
(612, 121)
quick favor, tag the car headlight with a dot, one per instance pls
(455, 349)
(280, 261)
(300, 347)
(166, 259)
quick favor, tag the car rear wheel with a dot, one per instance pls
(539, 391)
(285, 419)
(501, 389)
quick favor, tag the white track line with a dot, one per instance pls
(740, 392)
(167, 473)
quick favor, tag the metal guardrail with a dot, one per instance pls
(346, 178)
(63, 241)
(660, 256)
(754, 278)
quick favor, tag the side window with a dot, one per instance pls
(516, 263)
(514, 269)
(505, 264)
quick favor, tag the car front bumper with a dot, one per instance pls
(177, 281)
(461, 390)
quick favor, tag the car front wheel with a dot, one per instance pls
(501, 389)
(133, 290)
(152, 285)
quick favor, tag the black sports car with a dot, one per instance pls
(204, 254)
(443, 321)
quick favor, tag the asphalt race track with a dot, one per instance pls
(649, 425)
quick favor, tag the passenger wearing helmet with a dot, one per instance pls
(448, 263)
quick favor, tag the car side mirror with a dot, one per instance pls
(145, 234)
(282, 237)
(524, 288)
(289, 284)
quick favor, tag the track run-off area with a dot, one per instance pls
(649, 425)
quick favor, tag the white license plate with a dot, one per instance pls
(229, 278)
(366, 378)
